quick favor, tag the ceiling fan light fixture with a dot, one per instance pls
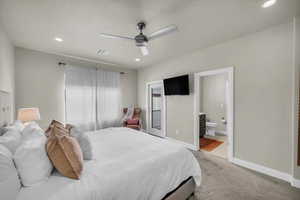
(137, 59)
(141, 40)
(268, 3)
(144, 50)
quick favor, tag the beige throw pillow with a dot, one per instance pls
(66, 155)
(56, 124)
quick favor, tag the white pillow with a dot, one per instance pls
(31, 158)
(9, 180)
(2, 130)
(84, 141)
(11, 139)
(18, 125)
(32, 130)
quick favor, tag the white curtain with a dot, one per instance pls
(92, 97)
(108, 99)
(80, 97)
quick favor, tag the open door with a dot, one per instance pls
(156, 109)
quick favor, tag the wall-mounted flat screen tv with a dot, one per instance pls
(177, 85)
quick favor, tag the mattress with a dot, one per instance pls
(128, 165)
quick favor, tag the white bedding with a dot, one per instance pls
(128, 165)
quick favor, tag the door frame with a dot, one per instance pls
(164, 118)
(230, 113)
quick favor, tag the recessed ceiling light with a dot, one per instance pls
(58, 39)
(268, 3)
(137, 59)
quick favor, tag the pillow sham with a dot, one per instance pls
(11, 139)
(31, 158)
(9, 181)
(84, 141)
(66, 155)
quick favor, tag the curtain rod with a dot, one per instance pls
(64, 64)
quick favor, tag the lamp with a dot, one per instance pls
(28, 114)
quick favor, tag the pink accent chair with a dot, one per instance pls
(135, 122)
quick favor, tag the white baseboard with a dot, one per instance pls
(249, 165)
(187, 145)
(268, 171)
(295, 182)
(263, 169)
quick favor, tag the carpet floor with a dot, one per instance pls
(222, 180)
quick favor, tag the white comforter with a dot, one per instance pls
(129, 165)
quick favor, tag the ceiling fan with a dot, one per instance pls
(142, 40)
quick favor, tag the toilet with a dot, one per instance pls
(211, 128)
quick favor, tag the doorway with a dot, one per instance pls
(213, 114)
(156, 109)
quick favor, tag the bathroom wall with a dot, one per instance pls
(213, 99)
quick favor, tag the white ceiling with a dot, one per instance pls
(34, 23)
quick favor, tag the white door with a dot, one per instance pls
(156, 109)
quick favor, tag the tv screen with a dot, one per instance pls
(177, 85)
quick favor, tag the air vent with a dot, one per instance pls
(102, 52)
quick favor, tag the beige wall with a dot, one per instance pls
(213, 99)
(40, 83)
(129, 88)
(262, 94)
(297, 71)
(7, 66)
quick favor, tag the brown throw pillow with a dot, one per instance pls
(58, 130)
(56, 124)
(66, 155)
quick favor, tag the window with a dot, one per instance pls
(92, 97)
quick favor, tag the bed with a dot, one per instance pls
(128, 165)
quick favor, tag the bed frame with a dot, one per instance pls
(184, 191)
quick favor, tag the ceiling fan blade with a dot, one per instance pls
(144, 50)
(111, 36)
(163, 31)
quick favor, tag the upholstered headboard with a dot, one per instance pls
(5, 108)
